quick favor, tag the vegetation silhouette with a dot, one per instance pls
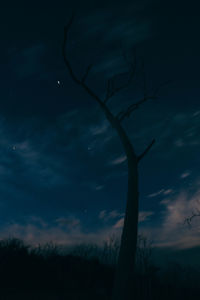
(54, 272)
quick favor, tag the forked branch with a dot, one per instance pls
(146, 150)
(123, 114)
(132, 107)
(189, 219)
(81, 82)
(86, 73)
(111, 90)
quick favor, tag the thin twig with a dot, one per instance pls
(146, 150)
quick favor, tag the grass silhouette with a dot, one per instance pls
(86, 271)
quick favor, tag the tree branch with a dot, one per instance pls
(111, 91)
(188, 220)
(132, 107)
(123, 114)
(118, 116)
(146, 150)
(86, 73)
(160, 86)
(108, 90)
(70, 69)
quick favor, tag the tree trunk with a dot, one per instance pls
(123, 288)
(124, 280)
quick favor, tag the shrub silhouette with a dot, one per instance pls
(85, 272)
(44, 267)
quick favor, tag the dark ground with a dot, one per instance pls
(46, 273)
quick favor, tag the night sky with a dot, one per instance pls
(63, 172)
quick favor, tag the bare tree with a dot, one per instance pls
(123, 284)
(193, 215)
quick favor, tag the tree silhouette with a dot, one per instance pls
(193, 215)
(123, 284)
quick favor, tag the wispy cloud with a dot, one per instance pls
(70, 222)
(131, 29)
(156, 193)
(99, 129)
(185, 174)
(160, 192)
(168, 191)
(179, 143)
(143, 216)
(99, 187)
(118, 160)
(109, 215)
(180, 131)
(70, 230)
(63, 231)
(173, 231)
(196, 113)
(119, 224)
(102, 214)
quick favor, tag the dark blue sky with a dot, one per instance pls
(63, 173)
